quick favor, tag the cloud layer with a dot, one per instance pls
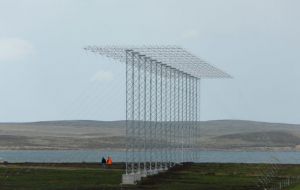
(101, 76)
(190, 34)
(13, 49)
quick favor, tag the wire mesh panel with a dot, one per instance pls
(143, 112)
(135, 111)
(147, 114)
(129, 108)
(159, 136)
(179, 116)
(173, 56)
(166, 116)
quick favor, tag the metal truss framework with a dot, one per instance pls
(162, 105)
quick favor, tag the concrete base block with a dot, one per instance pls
(128, 179)
(137, 177)
(131, 179)
(152, 172)
(144, 174)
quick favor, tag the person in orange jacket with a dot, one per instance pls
(109, 161)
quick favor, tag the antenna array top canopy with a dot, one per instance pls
(172, 56)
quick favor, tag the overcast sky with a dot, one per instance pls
(46, 75)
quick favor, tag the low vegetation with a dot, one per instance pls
(188, 177)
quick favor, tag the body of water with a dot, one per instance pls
(119, 156)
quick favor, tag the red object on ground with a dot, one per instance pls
(109, 161)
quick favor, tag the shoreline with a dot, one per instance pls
(200, 150)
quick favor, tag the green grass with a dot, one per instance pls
(295, 187)
(32, 178)
(93, 177)
(216, 177)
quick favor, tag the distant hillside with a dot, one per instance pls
(85, 134)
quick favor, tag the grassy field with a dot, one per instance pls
(59, 176)
(187, 177)
(218, 177)
(296, 187)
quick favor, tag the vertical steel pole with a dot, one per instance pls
(145, 115)
(199, 110)
(174, 117)
(161, 117)
(155, 110)
(151, 146)
(163, 113)
(186, 116)
(198, 95)
(129, 111)
(148, 113)
(133, 118)
(166, 117)
(170, 117)
(182, 117)
(127, 137)
(178, 116)
(139, 143)
(194, 119)
(190, 119)
(197, 123)
(180, 124)
(187, 119)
